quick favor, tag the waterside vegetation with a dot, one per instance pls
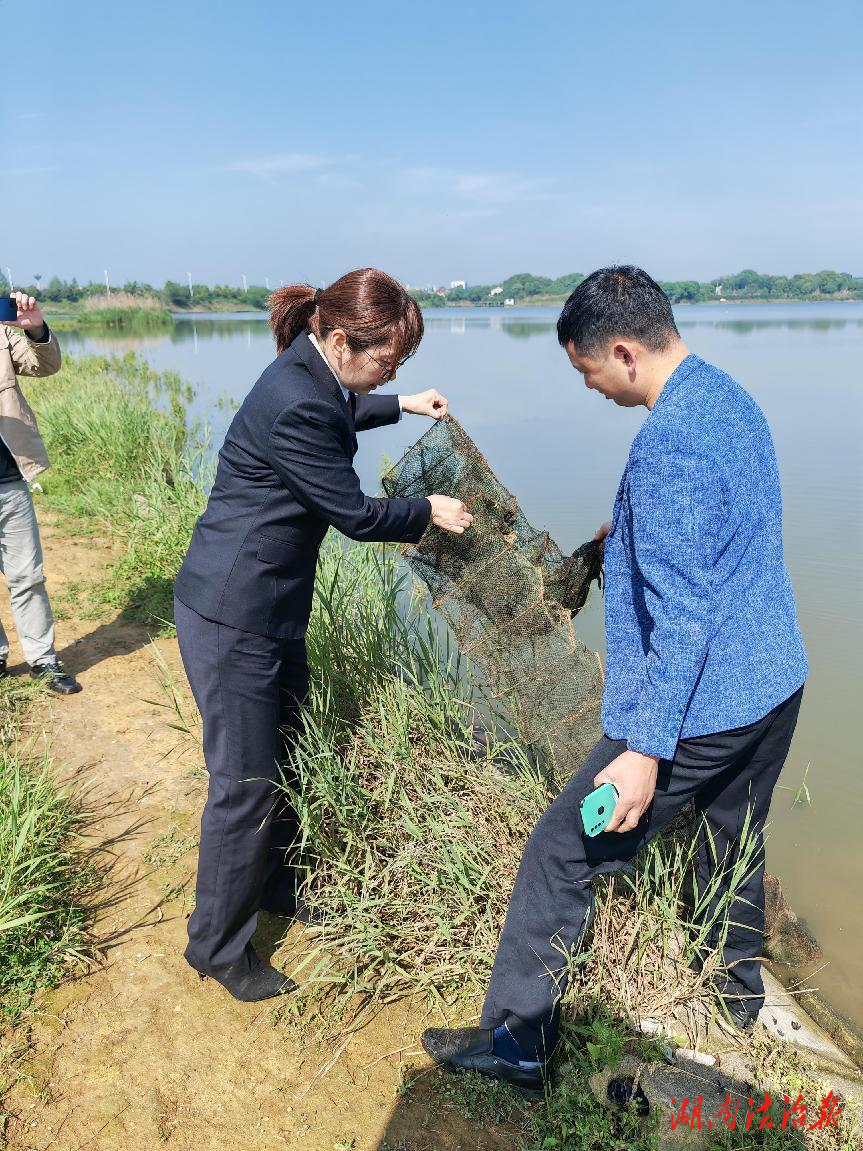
(46, 878)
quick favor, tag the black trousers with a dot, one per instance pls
(249, 690)
(727, 775)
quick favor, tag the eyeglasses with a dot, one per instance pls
(387, 370)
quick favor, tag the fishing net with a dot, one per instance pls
(509, 595)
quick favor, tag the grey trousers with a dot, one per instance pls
(21, 563)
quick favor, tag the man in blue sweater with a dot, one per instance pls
(704, 676)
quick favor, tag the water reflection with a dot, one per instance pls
(524, 329)
(746, 327)
(517, 324)
(188, 330)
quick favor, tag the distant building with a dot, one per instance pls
(457, 284)
(509, 302)
(496, 292)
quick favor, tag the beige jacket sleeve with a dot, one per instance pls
(30, 358)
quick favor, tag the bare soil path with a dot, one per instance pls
(139, 1054)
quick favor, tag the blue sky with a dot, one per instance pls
(436, 140)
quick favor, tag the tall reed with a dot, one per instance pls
(126, 461)
(44, 879)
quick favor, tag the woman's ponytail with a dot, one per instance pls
(291, 308)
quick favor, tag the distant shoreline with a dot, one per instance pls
(552, 302)
(69, 316)
(559, 301)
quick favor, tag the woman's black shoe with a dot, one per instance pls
(251, 979)
(471, 1049)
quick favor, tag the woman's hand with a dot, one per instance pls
(430, 403)
(30, 316)
(449, 514)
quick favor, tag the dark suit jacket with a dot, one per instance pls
(285, 475)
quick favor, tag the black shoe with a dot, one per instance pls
(740, 1006)
(739, 1014)
(471, 1049)
(58, 680)
(2, 666)
(251, 979)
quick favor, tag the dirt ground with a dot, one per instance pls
(139, 1053)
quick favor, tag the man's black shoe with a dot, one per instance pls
(2, 666)
(471, 1049)
(252, 979)
(739, 1014)
(58, 680)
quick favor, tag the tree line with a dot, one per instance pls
(745, 285)
(521, 289)
(173, 294)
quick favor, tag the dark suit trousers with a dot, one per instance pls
(726, 774)
(249, 690)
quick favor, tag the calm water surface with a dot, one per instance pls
(561, 450)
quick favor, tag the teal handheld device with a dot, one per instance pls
(597, 808)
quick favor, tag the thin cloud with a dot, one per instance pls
(277, 164)
(479, 190)
(485, 188)
(16, 173)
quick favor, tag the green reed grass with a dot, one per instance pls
(111, 319)
(126, 463)
(44, 879)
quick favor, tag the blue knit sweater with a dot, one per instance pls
(700, 619)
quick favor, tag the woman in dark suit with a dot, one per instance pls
(244, 593)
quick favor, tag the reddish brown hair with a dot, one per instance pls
(370, 306)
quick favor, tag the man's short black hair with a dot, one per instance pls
(617, 303)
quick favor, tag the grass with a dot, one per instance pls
(413, 830)
(45, 879)
(122, 320)
(126, 464)
(120, 312)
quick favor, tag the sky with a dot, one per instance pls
(439, 141)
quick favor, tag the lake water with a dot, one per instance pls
(561, 450)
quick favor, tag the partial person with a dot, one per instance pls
(27, 348)
(244, 593)
(704, 673)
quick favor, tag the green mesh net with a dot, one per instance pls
(509, 595)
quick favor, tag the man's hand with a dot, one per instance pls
(30, 316)
(450, 514)
(634, 776)
(430, 403)
(602, 533)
